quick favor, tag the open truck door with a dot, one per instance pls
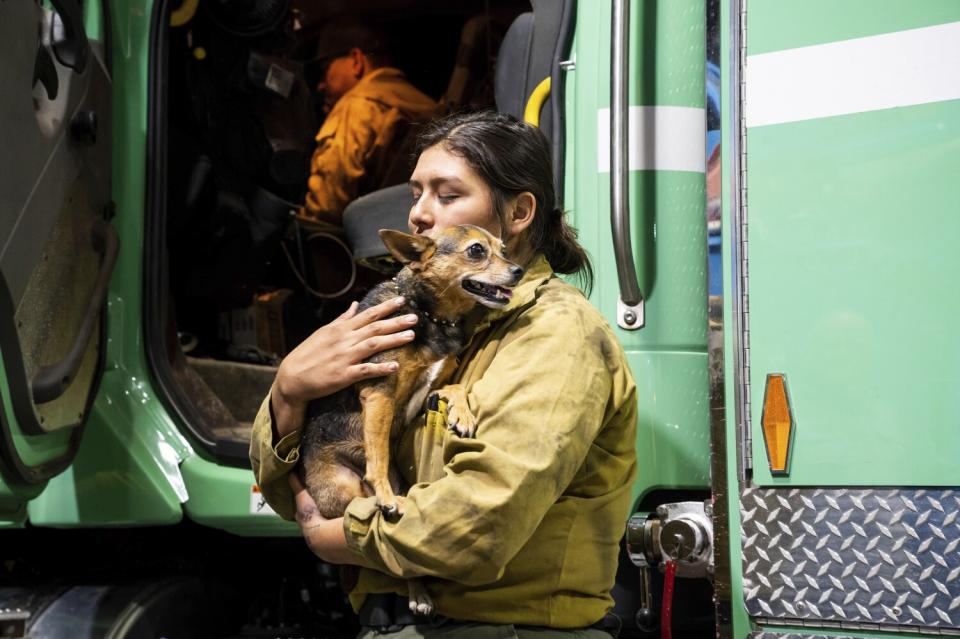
(842, 361)
(57, 248)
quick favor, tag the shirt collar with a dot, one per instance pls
(368, 78)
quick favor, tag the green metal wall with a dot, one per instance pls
(667, 356)
(853, 223)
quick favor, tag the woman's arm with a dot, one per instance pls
(323, 536)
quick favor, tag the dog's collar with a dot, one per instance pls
(413, 305)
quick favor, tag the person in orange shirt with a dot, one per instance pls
(370, 105)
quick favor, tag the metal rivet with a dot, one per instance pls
(630, 317)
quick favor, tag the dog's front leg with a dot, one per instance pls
(459, 418)
(378, 412)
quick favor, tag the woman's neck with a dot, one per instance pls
(520, 252)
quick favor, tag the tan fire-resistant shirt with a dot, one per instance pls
(521, 524)
(354, 141)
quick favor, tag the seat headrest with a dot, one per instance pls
(513, 66)
(384, 209)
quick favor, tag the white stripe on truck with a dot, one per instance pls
(903, 68)
(662, 138)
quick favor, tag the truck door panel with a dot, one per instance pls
(57, 248)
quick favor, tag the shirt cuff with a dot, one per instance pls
(287, 450)
(357, 522)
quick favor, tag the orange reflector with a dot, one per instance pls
(777, 423)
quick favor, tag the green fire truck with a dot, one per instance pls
(769, 190)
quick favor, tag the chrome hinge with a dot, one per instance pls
(746, 438)
(853, 625)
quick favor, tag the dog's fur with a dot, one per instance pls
(347, 436)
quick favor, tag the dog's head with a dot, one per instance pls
(464, 265)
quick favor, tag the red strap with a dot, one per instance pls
(666, 609)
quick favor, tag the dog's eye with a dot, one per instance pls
(476, 252)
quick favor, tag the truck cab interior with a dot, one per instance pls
(233, 280)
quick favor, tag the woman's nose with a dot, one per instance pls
(420, 217)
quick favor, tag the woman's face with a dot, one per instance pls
(447, 192)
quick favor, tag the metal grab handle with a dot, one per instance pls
(630, 305)
(50, 382)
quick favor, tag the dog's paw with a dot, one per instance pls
(461, 421)
(420, 602)
(393, 511)
(425, 609)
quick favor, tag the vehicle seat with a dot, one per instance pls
(471, 84)
(364, 217)
(513, 61)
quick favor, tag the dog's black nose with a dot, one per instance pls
(517, 273)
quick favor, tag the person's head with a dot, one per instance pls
(494, 171)
(347, 50)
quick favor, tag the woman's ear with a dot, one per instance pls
(522, 211)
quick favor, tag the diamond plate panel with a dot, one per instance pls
(857, 556)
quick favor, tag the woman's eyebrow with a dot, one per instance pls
(451, 180)
(436, 181)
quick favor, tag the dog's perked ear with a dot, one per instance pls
(410, 250)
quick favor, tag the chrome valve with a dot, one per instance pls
(681, 531)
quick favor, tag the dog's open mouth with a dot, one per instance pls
(487, 292)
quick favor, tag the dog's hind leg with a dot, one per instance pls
(332, 484)
(378, 414)
(420, 601)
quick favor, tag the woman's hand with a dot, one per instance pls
(333, 358)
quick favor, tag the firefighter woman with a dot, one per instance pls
(516, 530)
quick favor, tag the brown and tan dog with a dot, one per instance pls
(347, 436)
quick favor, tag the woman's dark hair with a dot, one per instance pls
(512, 157)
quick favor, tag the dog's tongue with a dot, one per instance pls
(505, 293)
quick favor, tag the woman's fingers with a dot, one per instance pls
(367, 370)
(371, 345)
(372, 314)
(387, 326)
(350, 312)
